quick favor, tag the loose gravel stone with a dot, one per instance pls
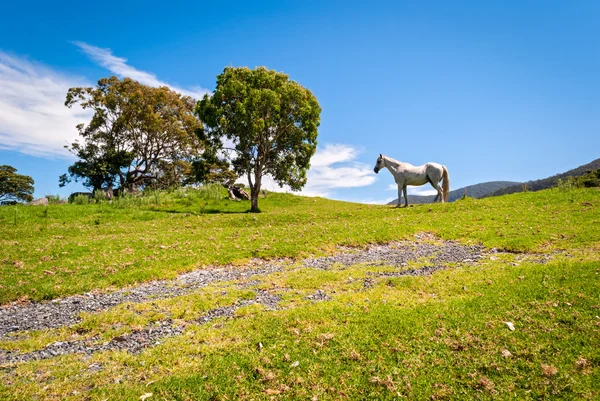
(318, 296)
(398, 254)
(136, 341)
(64, 312)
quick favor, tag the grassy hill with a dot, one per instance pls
(473, 191)
(355, 331)
(548, 182)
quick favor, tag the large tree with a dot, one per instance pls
(270, 121)
(138, 136)
(13, 186)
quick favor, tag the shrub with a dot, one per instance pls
(590, 179)
(567, 184)
(81, 200)
(55, 199)
(211, 192)
(100, 196)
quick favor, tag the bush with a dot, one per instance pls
(100, 196)
(81, 200)
(55, 199)
(211, 192)
(567, 184)
(590, 179)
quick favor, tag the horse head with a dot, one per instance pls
(379, 164)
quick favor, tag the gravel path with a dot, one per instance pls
(136, 341)
(64, 312)
(398, 254)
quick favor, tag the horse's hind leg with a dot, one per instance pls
(440, 193)
(437, 196)
(436, 186)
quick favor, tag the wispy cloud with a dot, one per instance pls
(423, 191)
(118, 66)
(384, 201)
(333, 153)
(332, 167)
(33, 117)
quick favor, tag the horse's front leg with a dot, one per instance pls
(399, 195)
(405, 196)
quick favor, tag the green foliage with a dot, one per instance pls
(100, 196)
(590, 179)
(55, 199)
(567, 184)
(212, 192)
(15, 187)
(138, 136)
(271, 121)
(81, 200)
(209, 169)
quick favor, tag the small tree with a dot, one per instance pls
(271, 122)
(138, 136)
(15, 187)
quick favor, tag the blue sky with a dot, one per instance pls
(494, 90)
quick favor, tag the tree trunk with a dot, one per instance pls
(254, 199)
(254, 192)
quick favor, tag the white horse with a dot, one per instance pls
(407, 174)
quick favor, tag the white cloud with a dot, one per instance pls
(423, 191)
(326, 174)
(119, 66)
(377, 201)
(332, 154)
(33, 117)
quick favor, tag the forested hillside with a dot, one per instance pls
(548, 182)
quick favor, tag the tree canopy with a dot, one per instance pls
(212, 169)
(270, 121)
(15, 187)
(138, 136)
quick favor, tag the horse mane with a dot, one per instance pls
(391, 160)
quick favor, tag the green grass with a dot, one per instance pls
(422, 338)
(436, 337)
(66, 249)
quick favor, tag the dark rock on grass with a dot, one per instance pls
(318, 296)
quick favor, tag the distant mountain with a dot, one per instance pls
(473, 191)
(548, 182)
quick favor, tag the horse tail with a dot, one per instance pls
(445, 184)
